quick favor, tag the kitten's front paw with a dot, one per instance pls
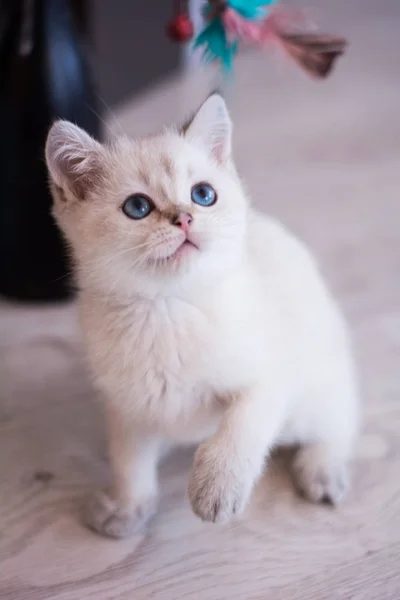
(217, 489)
(105, 516)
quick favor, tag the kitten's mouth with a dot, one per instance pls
(186, 246)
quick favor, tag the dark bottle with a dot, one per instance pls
(43, 76)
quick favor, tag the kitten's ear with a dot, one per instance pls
(73, 158)
(212, 127)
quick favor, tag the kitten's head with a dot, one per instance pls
(151, 211)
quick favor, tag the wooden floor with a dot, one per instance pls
(324, 158)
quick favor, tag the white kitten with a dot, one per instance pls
(204, 322)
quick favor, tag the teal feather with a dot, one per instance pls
(217, 46)
(213, 38)
(251, 9)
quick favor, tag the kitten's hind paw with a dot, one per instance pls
(104, 515)
(318, 477)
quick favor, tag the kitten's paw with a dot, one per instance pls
(105, 516)
(318, 478)
(216, 491)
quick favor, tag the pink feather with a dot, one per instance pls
(289, 30)
(238, 28)
(268, 30)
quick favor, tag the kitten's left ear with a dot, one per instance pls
(74, 159)
(212, 127)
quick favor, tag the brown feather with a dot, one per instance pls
(315, 53)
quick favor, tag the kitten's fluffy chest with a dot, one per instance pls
(173, 336)
(167, 352)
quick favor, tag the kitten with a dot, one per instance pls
(204, 322)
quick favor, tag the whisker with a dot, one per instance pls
(119, 254)
(118, 124)
(140, 259)
(98, 116)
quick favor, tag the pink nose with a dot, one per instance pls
(183, 220)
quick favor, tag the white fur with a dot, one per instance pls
(237, 346)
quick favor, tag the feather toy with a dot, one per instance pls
(229, 24)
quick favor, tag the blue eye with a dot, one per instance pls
(203, 194)
(137, 207)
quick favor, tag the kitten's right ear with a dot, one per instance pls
(212, 127)
(74, 159)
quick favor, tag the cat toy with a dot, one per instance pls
(229, 24)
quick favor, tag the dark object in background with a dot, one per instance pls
(43, 76)
(132, 51)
